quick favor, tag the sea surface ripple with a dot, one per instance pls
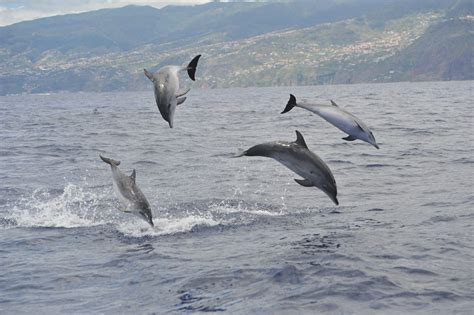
(238, 235)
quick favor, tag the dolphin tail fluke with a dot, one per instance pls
(291, 103)
(192, 67)
(109, 161)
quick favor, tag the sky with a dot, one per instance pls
(13, 11)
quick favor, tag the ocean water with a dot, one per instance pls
(238, 235)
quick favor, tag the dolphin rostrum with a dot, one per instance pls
(298, 158)
(131, 198)
(166, 84)
(339, 118)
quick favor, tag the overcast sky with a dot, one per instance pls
(12, 11)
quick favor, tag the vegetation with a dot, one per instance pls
(243, 44)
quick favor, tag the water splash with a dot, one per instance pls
(165, 226)
(73, 207)
(187, 217)
(84, 206)
(227, 208)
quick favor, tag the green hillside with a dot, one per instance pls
(444, 52)
(243, 44)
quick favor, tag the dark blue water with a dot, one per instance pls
(238, 235)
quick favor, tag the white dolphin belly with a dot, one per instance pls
(171, 80)
(126, 205)
(336, 117)
(124, 193)
(300, 166)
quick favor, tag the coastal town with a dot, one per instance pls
(322, 54)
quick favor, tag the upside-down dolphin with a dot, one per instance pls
(298, 158)
(339, 118)
(131, 198)
(166, 84)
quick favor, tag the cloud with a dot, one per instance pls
(13, 11)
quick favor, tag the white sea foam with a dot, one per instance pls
(74, 207)
(81, 206)
(165, 226)
(229, 209)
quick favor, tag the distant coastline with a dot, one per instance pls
(106, 50)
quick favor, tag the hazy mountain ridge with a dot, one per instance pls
(337, 42)
(444, 52)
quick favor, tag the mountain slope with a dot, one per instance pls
(431, 57)
(444, 52)
(284, 43)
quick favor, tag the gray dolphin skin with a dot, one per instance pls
(338, 117)
(131, 198)
(298, 158)
(166, 85)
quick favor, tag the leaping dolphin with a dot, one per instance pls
(166, 84)
(131, 198)
(339, 118)
(298, 158)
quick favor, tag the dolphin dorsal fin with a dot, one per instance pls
(300, 140)
(133, 175)
(334, 103)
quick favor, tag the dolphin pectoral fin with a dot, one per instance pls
(149, 75)
(304, 182)
(180, 100)
(300, 140)
(349, 138)
(123, 209)
(239, 154)
(182, 92)
(192, 67)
